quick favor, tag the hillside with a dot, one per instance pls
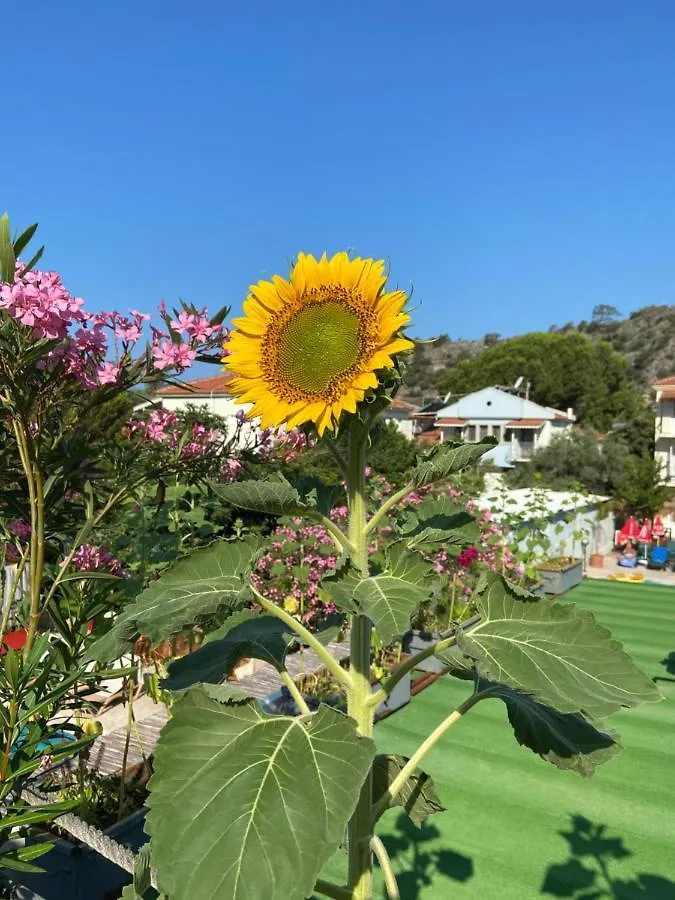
(646, 338)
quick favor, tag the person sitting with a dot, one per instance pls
(628, 557)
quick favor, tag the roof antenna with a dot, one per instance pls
(447, 397)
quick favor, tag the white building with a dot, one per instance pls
(664, 449)
(400, 412)
(519, 424)
(210, 394)
(568, 520)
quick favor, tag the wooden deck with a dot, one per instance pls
(107, 754)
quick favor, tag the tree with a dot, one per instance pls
(641, 490)
(564, 370)
(574, 461)
(604, 314)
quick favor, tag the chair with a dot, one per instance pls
(628, 562)
(659, 558)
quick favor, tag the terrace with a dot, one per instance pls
(536, 831)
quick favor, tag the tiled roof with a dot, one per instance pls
(451, 421)
(214, 384)
(663, 382)
(525, 423)
(402, 404)
(668, 395)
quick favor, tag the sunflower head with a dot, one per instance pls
(308, 347)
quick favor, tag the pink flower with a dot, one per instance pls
(20, 528)
(466, 557)
(40, 302)
(166, 355)
(108, 373)
(89, 558)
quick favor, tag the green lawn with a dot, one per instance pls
(516, 827)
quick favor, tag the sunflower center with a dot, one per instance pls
(319, 344)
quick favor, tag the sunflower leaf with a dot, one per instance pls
(557, 653)
(567, 740)
(245, 634)
(274, 496)
(273, 788)
(388, 598)
(209, 580)
(418, 796)
(439, 521)
(447, 458)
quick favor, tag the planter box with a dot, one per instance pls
(280, 702)
(75, 871)
(417, 642)
(559, 581)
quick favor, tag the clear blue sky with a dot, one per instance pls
(514, 160)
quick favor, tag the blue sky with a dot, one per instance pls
(515, 161)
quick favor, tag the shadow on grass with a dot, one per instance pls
(417, 865)
(587, 874)
(669, 664)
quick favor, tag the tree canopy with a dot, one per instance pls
(564, 370)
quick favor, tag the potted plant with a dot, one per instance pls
(560, 574)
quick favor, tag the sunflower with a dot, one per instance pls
(308, 348)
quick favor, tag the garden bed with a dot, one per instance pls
(560, 575)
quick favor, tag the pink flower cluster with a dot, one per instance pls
(161, 427)
(39, 301)
(466, 557)
(89, 558)
(291, 572)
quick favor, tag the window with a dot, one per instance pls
(508, 434)
(484, 430)
(471, 433)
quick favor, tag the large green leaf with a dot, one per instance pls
(275, 496)
(245, 634)
(388, 598)
(554, 651)
(244, 805)
(438, 521)
(278, 496)
(418, 796)
(567, 740)
(447, 458)
(205, 582)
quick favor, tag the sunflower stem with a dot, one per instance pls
(358, 695)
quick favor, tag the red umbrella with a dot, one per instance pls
(659, 528)
(630, 531)
(645, 535)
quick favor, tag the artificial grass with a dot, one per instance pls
(502, 835)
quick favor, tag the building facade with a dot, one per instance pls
(664, 437)
(516, 422)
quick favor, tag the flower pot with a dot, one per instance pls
(596, 560)
(76, 872)
(417, 642)
(560, 578)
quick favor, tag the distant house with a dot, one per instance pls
(401, 413)
(664, 447)
(210, 393)
(519, 424)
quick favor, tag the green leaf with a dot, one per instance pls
(557, 653)
(317, 494)
(567, 740)
(7, 258)
(276, 497)
(439, 521)
(447, 458)
(206, 581)
(388, 598)
(245, 634)
(418, 796)
(24, 239)
(244, 805)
